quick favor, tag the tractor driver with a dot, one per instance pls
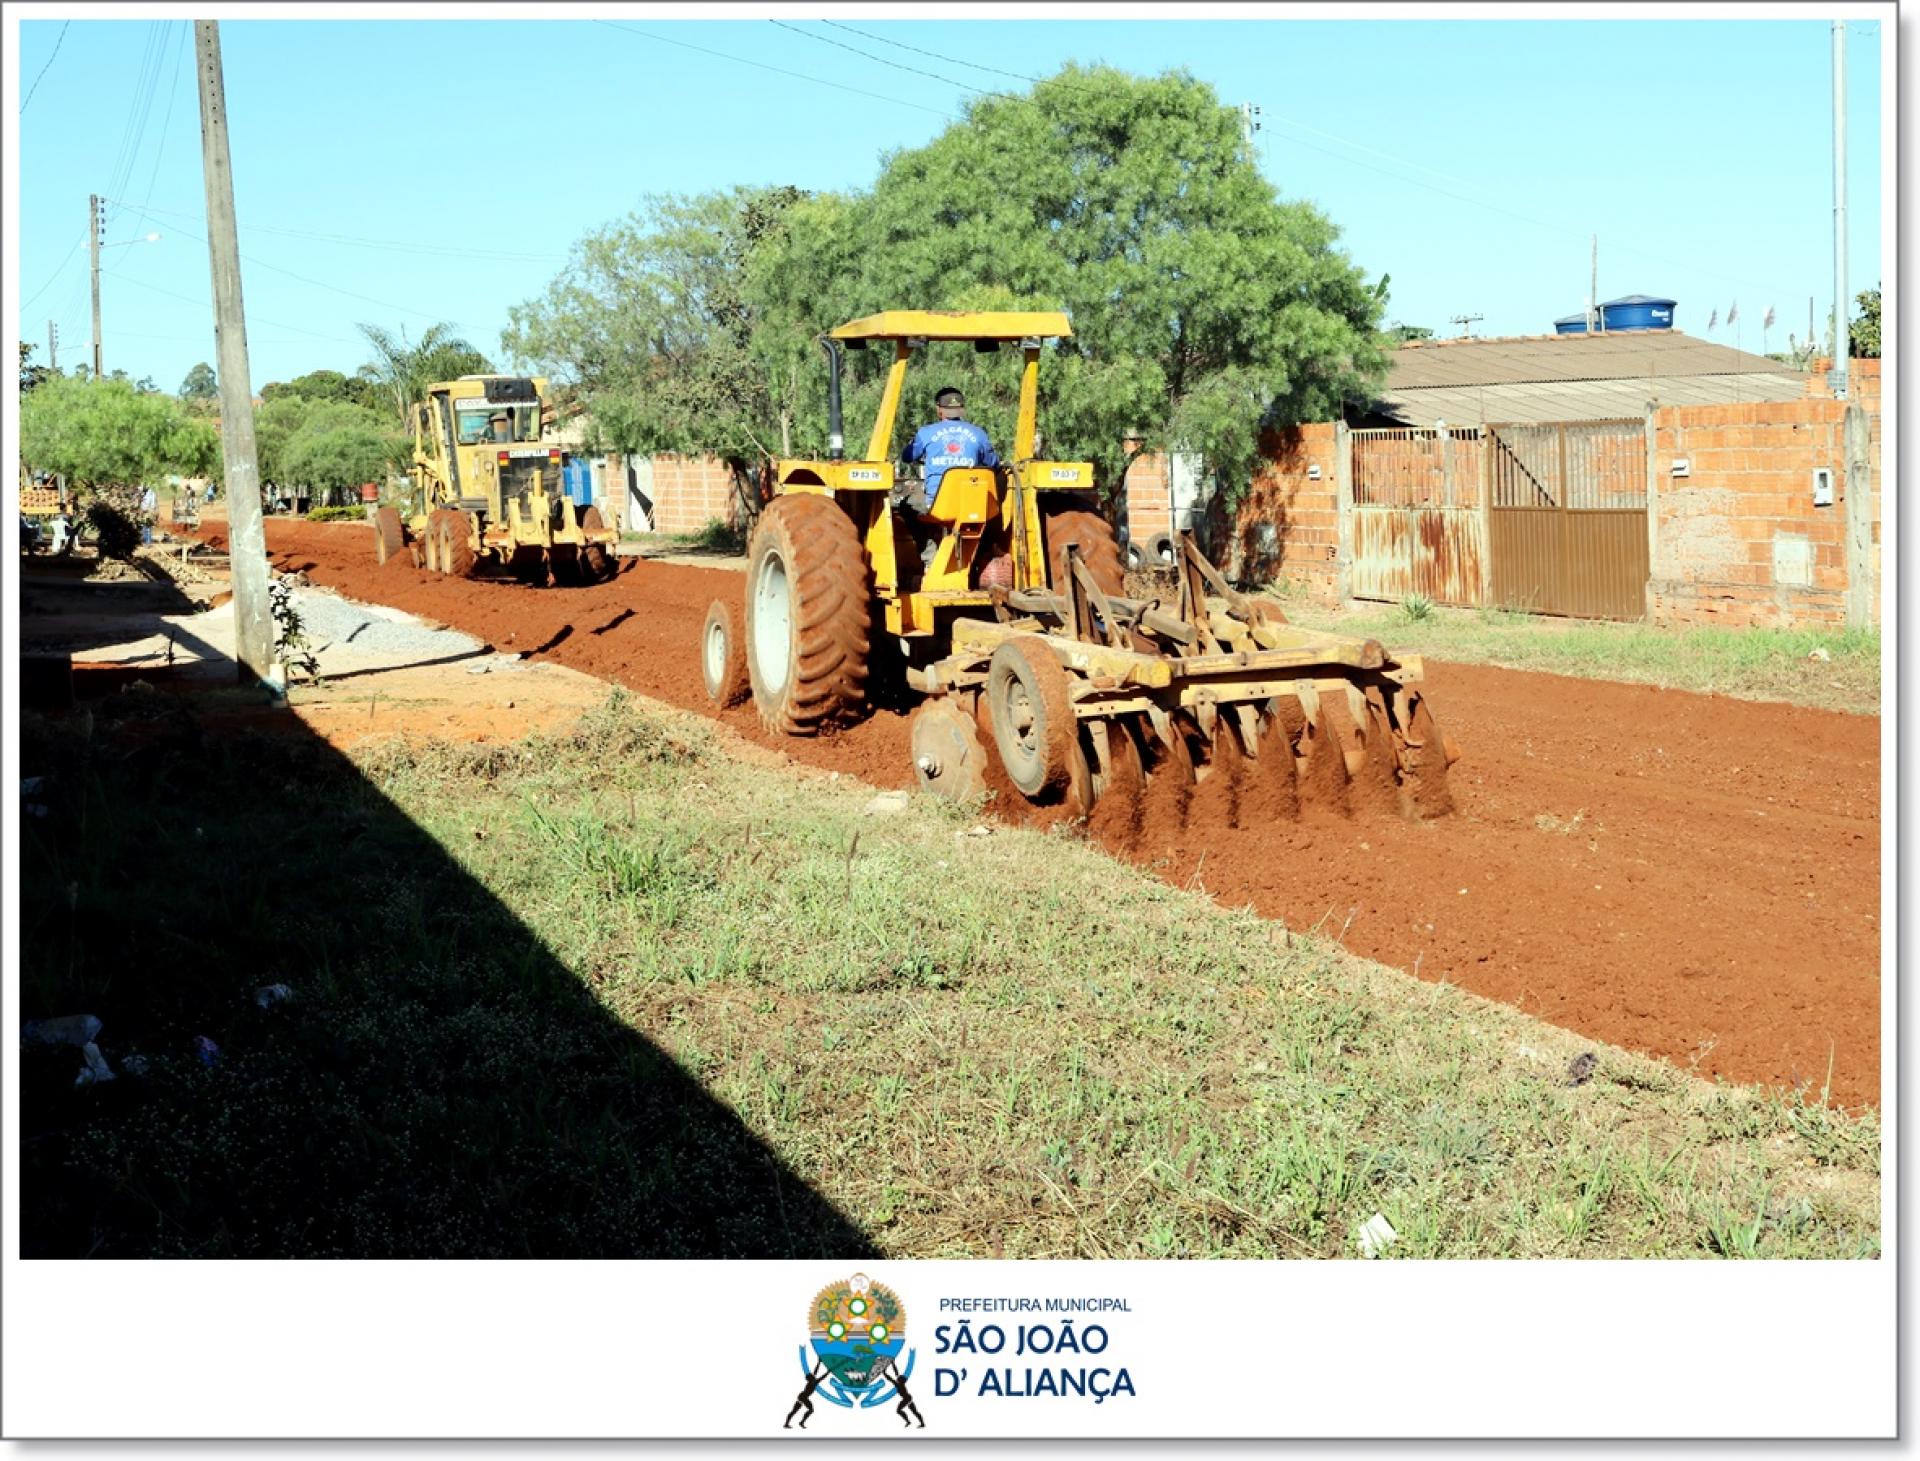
(952, 441)
(499, 427)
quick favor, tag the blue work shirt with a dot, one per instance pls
(945, 444)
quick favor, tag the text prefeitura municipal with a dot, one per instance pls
(1035, 1306)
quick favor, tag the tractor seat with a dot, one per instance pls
(968, 496)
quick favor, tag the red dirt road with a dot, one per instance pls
(1690, 876)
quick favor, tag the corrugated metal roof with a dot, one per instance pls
(1618, 355)
(1580, 400)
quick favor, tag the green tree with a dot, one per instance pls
(403, 369)
(653, 329)
(1863, 331)
(107, 434)
(1205, 308)
(201, 384)
(325, 447)
(30, 375)
(361, 389)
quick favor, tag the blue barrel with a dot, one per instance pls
(578, 477)
(1637, 312)
(1571, 324)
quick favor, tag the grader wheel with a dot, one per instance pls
(948, 758)
(449, 550)
(389, 535)
(1033, 720)
(809, 623)
(723, 654)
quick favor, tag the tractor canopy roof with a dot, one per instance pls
(954, 324)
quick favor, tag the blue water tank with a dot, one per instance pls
(1637, 312)
(1571, 324)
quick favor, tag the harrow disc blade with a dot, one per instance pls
(948, 758)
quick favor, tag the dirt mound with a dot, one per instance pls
(1685, 875)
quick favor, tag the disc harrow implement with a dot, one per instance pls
(1211, 704)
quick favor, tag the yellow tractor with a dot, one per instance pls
(1019, 633)
(487, 493)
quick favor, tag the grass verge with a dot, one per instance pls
(1753, 664)
(538, 986)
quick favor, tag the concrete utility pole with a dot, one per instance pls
(247, 537)
(53, 346)
(1842, 339)
(93, 251)
(1249, 123)
(1593, 290)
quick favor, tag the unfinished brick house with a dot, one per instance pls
(1636, 475)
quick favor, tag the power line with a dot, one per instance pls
(880, 60)
(134, 135)
(934, 55)
(43, 70)
(204, 304)
(780, 70)
(173, 91)
(58, 268)
(401, 246)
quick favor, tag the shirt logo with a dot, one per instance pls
(953, 446)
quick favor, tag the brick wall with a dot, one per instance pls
(1739, 540)
(690, 492)
(1149, 497)
(1288, 529)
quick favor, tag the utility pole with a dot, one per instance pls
(1466, 323)
(247, 537)
(93, 250)
(1842, 338)
(53, 346)
(1249, 123)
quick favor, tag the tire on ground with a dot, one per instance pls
(808, 615)
(389, 534)
(723, 654)
(1099, 549)
(596, 563)
(1033, 721)
(456, 548)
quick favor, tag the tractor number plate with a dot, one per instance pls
(863, 474)
(1065, 474)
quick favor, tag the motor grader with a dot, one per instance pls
(1018, 632)
(486, 493)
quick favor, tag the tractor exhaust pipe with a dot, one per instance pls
(836, 439)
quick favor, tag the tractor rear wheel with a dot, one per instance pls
(809, 615)
(1033, 720)
(389, 534)
(1099, 549)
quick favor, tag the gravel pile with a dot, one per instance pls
(332, 622)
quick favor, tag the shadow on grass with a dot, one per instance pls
(440, 1083)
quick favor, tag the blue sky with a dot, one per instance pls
(1471, 160)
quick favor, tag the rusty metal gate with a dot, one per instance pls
(1418, 524)
(1567, 519)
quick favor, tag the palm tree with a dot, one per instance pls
(405, 369)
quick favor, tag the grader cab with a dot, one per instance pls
(487, 493)
(1020, 635)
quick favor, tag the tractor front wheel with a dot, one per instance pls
(809, 615)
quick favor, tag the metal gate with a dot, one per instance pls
(1418, 525)
(1567, 523)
